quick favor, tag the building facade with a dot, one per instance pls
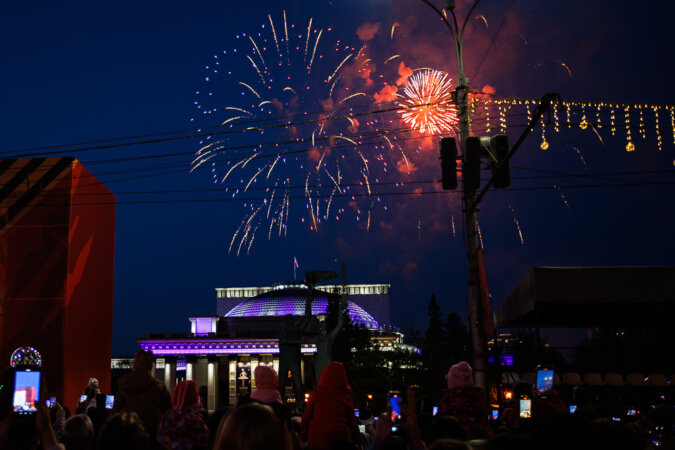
(222, 351)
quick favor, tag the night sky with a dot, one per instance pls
(78, 71)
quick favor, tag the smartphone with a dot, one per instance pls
(544, 380)
(616, 419)
(51, 402)
(26, 391)
(573, 409)
(631, 412)
(395, 402)
(495, 414)
(356, 412)
(362, 428)
(525, 407)
(434, 410)
(109, 401)
(83, 398)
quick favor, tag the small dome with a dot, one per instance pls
(281, 302)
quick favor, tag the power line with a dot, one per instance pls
(362, 195)
(550, 175)
(501, 24)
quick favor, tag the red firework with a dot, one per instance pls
(427, 99)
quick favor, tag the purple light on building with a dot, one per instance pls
(281, 306)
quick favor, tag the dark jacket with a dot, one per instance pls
(469, 407)
(145, 395)
(329, 415)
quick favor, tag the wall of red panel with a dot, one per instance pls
(56, 273)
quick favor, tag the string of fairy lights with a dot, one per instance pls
(581, 114)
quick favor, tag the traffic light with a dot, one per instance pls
(449, 163)
(471, 168)
(500, 148)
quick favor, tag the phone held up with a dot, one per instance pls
(26, 391)
(525, 407)
(544, 380)
(395, 403)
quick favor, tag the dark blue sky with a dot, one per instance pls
(78, 71)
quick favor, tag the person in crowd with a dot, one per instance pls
(449, 444)
(465, 402)
(98, 417)
(218, 416)
(123, 431)
(445, 427)
(267, 385)
(91, 391)
(366, 419)
(329, 414)
(78, 433)
(408, 435)
(57, 415)
(253, 426)
(142, 393)
(182, 427)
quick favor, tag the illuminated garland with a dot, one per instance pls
(588, 115)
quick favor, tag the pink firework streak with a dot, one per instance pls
(427, 99)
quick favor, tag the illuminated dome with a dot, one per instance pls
(291, 300)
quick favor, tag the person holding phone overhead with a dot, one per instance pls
(465, 402)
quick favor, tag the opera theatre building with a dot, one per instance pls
(221, 352)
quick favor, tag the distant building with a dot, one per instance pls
(221, 351)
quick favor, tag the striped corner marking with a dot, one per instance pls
(22, 182)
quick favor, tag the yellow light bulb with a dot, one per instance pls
(544, 145)
(584, 124)
(630, 147)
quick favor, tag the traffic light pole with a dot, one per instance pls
(479, 344)
(478, 339)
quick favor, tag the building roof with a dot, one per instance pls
(291, 300)
(591, 297)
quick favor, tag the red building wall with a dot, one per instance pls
(57, 239)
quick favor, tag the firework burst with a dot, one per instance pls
(285, 81)
(428, 103)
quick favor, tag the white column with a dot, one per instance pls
(233, 381)
(168, 381)
(211, 387)
(188, 371)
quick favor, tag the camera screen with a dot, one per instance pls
(109, 401)
(395, 402)
(435, 410)
(544, 380)
(525, 408)
(26, 391)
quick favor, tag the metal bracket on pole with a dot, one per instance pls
(544, 106)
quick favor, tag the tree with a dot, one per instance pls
(457, 339)
(434, 353)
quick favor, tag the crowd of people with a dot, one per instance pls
(146, 417)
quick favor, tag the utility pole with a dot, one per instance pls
(475, 321)
(470, 200)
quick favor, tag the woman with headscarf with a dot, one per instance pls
(465, 402)
(267, 385)
(182, 426)
(329, 415)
